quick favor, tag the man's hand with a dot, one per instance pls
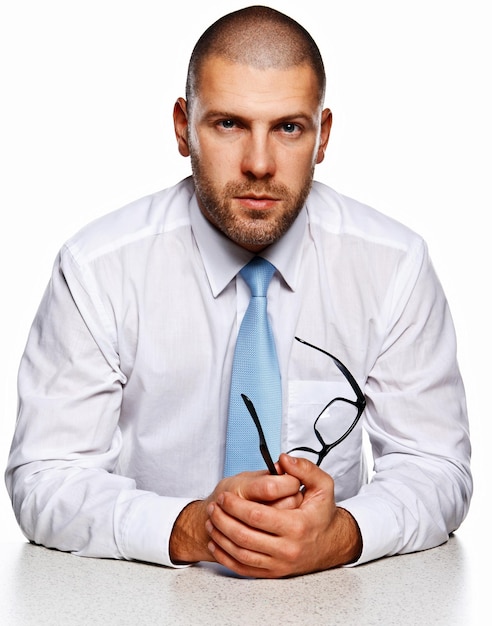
(253, 538)
(190, 539)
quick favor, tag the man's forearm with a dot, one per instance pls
(350, 538)
(189, 538)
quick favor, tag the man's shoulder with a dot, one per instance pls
(156, 213)
(339, 214)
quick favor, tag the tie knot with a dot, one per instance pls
(258, 273)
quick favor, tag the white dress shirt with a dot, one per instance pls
(124, 383)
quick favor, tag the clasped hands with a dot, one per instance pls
(265, 526)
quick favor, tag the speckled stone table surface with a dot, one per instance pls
(40, 586)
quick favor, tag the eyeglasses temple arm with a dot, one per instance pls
(361, 401)
(265, 453)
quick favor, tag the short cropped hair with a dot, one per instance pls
(258, 36)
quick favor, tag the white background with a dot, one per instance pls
(88, 89)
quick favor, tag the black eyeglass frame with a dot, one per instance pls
(359, 403)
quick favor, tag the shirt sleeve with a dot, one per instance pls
(62, 471)
(417, 423)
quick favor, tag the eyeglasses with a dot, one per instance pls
(333, 425)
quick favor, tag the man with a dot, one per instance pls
(120, 445)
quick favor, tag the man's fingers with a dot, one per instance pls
(291, 502)
(263, 487)
(239, 531)
(251, 538)
(244, 513)
(308, 474)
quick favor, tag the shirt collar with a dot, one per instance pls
(223, 259)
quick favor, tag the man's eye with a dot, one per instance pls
(290, 128)
(227, 124)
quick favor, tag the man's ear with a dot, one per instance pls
(180, 117)
(326, 120)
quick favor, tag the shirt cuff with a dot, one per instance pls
(144, 525)
(377, 524)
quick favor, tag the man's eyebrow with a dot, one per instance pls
(216, 114)
(292, 117)
(227, 115)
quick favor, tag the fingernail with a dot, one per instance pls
(209, 526)
(210, 508)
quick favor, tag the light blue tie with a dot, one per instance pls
(255, 373)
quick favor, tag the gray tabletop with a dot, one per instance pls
(40, 586)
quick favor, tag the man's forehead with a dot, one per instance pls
(220, 76)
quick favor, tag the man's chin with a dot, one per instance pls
(255, 237)
(252, 229)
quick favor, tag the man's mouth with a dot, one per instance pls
(257, 202)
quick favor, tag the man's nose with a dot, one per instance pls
(258, 158)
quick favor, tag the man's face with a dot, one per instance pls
(254, 137)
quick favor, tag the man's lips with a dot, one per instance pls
(257, 202)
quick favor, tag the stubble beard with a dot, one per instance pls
(255, 227)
